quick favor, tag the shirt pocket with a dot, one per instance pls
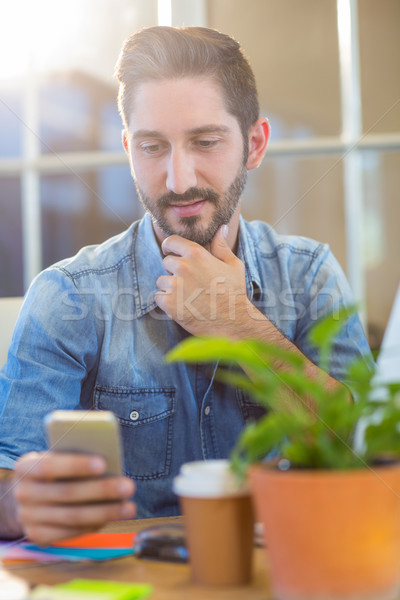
(146, 419)
(251, 411)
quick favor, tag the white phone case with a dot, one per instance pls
(86, 432)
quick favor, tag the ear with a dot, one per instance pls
(125, 141)
(258, 140)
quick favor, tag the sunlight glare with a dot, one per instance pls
(164, 12)
(37, 35)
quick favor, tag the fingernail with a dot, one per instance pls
(96, 465)
(225, 230)
(127, 509)
(125, 487)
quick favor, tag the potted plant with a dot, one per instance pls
(330, 502)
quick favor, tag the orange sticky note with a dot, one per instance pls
(98, 540)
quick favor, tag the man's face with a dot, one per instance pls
(186, 154)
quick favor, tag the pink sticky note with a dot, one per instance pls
(98, 540)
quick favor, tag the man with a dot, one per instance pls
(94, 329)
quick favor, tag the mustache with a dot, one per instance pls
(194, 193)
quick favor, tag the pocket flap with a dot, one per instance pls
(136, 406)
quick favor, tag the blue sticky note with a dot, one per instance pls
(83, 553)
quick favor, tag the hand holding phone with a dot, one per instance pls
(63, 492)
(86, 432)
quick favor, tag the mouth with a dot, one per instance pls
(189, 208)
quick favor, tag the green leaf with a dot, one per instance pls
(330, 326)
(323, 333)
(247, 352)
(311, 425)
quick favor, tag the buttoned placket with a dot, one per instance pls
(204, 390)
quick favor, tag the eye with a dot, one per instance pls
(206, 143)
(150, 148)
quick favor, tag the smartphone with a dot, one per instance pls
(86, 432)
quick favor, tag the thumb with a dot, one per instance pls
(219, 245)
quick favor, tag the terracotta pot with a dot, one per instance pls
(330, 534)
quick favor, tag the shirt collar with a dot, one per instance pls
(248, 255)
(147, 266)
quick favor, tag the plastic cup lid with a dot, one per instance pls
(208, 479)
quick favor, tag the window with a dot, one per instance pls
(64, 177)
(322, 176)
(331, 172)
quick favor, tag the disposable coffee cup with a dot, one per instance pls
(218, 521)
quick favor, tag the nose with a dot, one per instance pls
(181, 174)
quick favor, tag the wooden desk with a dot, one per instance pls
(170, 580)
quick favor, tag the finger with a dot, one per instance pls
(74, 492)
(175, 244)
(43, 535)
(171, 263)
(59, 465)
(161, 299)
(219, 246)
(83, 515)
(166, 283)
(49, 524)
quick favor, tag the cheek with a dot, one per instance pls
(148, 175)
(221, 172)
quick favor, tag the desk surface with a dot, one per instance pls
(170, 580)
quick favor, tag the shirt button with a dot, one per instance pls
(207, 410)
(134, 415)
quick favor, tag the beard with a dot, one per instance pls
(190, 227)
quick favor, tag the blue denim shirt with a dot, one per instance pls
(90, 336)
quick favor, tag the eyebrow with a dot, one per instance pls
(153, 133)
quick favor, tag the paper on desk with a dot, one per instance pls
(87, 589)
(99, 540)
(18, 553)
(95, 546)
(83, 553)
(46, 592)
(15, 555)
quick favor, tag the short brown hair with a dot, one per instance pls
(157, 53)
